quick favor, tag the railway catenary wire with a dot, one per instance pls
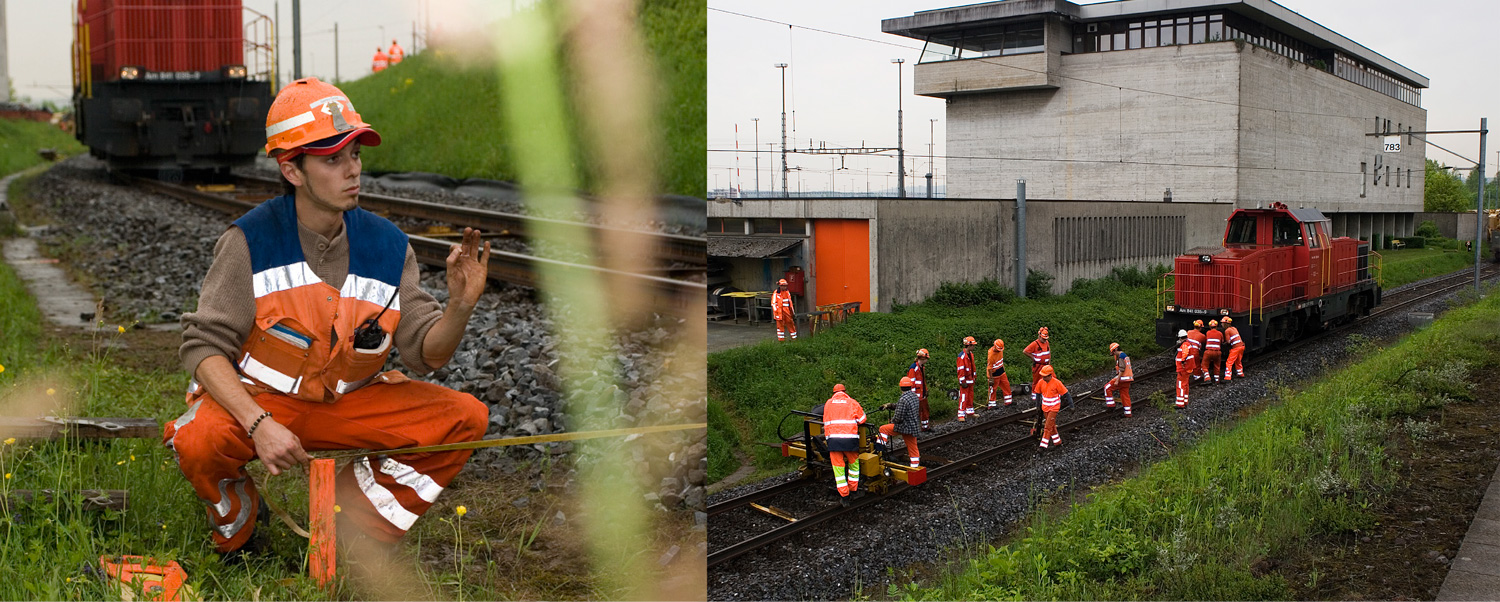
(1394, 302)
(513, 268)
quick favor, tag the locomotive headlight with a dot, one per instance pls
(130, 72)
(235, 71)
(1205, 259)
(1171, 308)
(1223, 312)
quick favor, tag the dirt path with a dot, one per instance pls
(746, 469)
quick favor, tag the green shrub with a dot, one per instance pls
(1428, 229)
(1413, 242)
(967, 294)
(1038, 284)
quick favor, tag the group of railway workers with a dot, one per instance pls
(387, 57)
(842, 415)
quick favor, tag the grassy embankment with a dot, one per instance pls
(1194, 526)
(20, 141)
(1410, 265)
(440, 112)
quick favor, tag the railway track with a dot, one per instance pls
(514, 268)
(1391, 304)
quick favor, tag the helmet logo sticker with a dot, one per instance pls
(338, 115)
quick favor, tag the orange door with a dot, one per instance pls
(841, 250)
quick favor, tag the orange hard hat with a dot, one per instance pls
(1113, 347)
(781, 282)
(999, 344)
(970, 341)
(1198, 323)
(1042, 332)
(1227, 320)
(1213, 323)
(922, 353)
(907, 382)
(838, 387)
(1047, 370)
(313, 117)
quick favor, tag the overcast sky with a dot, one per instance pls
(39, 35)
(843, 90)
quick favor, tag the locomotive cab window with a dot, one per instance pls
(1286, 232)
(1241, 231)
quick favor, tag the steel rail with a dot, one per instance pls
(513, 268)
(787, 530)
(669, 247)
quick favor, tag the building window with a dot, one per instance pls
(998, 40)
(1363, 170)
(726, 225)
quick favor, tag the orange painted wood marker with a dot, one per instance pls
(320, 550)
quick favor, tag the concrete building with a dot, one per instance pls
(1138, 126)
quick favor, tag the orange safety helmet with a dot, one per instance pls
(1197, 323)
(906, 382)
(313, 117)
(1113, 347)
(922, 353)
(1227, 320)
(1047, 370)
(999, 344)
(1213, 323)
(970, 341)
(1042, 332)
(781, 282)
(838, 387)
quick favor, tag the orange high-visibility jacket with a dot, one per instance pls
(1232, 337)
(380, 62)
(781, 305)
(1196, 337)
(1052, 391)
(1212, 340)
(841, 419)
(916, 373)
(996, 363)
(1122, 367)
(965, 368)
(302, 343)
(1185, 356)
(395, 54)
(1040, 352)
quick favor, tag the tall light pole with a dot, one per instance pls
(782, 67)
(931, 139)
(900, 151)
(757, 154)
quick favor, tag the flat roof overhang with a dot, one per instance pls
(924, 23)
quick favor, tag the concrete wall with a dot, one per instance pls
(1302, 139)
(1452, 225)
(923, 244)
(1099, 141)
(1073, 240)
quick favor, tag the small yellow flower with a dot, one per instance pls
(132, 457)
(120, 329)
(51, 391)
(10, 440)
(461, 510)
(120, 463)
(70, 579)
(7, 475)
(2, 367)
(164, 526)
(337, 509)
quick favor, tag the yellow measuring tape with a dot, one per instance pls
(529, 440)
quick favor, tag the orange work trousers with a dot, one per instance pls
(965, 401)
(999, 384)
(1183, 376)
(922, 411)
(383, 495)
(786, 329)
(1212, 362)
(1234, 362)
(889, 430)
(1049, 429)
(1117, 386)
(845, 471)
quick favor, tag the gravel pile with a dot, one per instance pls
(981, 505)
(146, 255)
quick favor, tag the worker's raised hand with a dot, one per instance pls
(277, 447)
(468, 266)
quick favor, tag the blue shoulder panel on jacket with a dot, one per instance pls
(377, 248)
(271, 234)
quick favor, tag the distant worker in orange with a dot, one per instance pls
(1213, 352)
(903, 422)
(1121, 382)
(995, 365)
(1040, 352)
(1236, 350)
(781, 311)
(1052, 394)
(841, 419)
(395, 54)
(380, 62)
(1186, 353)
(917, 372)
(966, 379)
(1197, 338)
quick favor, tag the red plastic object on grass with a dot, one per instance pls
(163, 583)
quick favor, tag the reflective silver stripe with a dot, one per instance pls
(343, 387)
(384, 501)
(425, 487)
(188, 417)
(370, 290)
(842, 436)
(286, 124)
(285, 277)
(229, 530)
(270, 376)
(222, 506)
(322, 101)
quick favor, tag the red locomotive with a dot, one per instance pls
(1278, 274)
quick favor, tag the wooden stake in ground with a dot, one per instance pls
(320, 552)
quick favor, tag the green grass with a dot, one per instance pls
(1402, 266)
(20, 140)
(752, 388)
(1194, 525)
(440, 112)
